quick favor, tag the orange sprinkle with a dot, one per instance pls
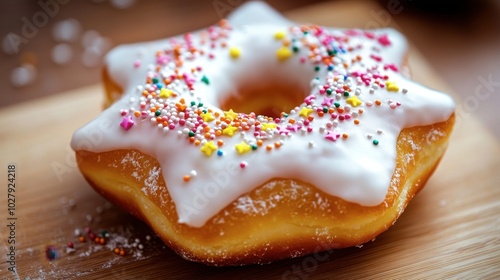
(292, 121)
(122, 252)
(81, 239)
(321, 114)
(186, 178)
(246, 127)
(269, 147)
(116, 250)
(310, 118)
(216, 114)
(345, 135)
(137, 113)
(331, 110)
(191, 139)
(360, 111)
(207, 134)
(346, 65)
(356, 121)
(277, 144)
(378, 102)
(259, 143)
(196, 142)
(340, 110)
(206, 128)
(220, 142)
(218, 132)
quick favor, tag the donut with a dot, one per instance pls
(258, 139)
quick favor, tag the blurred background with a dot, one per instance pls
(51, 46)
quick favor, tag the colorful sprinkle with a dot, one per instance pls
(243, 148)
(283, 53)
(208, 148)
(127, 123)
(234, 52)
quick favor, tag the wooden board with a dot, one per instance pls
(450, 230)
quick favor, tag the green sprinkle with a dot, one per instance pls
(325, 109)
(316, 68)
(346, 93)
(204, 111)
(200, 104)
(331, 52)
(254, 147)
(155, 80)
(375, 142)
(193, 103)
(295, 49)
(157, 113)
(205, 80)
(336, 104)
(285, 115)
(329, 91)
(191, 134)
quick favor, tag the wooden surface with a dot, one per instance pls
(450, 230)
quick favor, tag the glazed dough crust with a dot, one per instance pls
(282, 218)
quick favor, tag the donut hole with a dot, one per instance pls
(266, 100)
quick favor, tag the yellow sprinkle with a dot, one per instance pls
(230, 115)
(229, 130)
(283, 53)
(305, 112)
(234, 52)
(165, 93)
(267, 126)
(243, 148)
(280, 35)
(207, 117)
(208, 148)
(354, 101)
(391, 86)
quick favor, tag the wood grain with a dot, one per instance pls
(450, 230)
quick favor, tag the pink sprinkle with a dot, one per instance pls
(391, 66)
(243, 164)
(369, 35)
(171, 126)
(127, 123)
(384, 40)
(123, 112)
(302, 60)
(332, 136)
(327, 102)
(393, 105)
(376, 57)
(182, 122)
(137, 63)
(309, 129)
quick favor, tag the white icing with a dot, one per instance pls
(354, 168)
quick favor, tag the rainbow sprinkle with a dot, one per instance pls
(337, 99)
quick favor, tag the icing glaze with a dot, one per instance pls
(341, 139)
